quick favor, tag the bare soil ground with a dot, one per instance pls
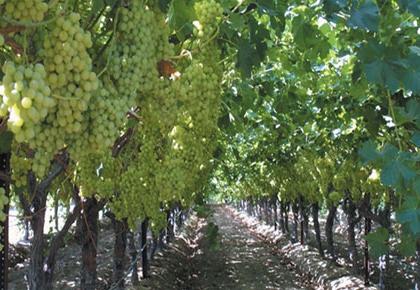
(236, 259)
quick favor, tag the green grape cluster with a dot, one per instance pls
(209, 14)
(96, 174)
(193, 138)
(20, 165)
(49, 104)
(32, 10)
(139, 196)
(69, 69)
(139, 45)
(106, 115)
(72, 82)
(26, 97)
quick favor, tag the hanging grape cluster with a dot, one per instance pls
(26, 97)
(32, 10)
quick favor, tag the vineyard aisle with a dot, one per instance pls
(234, 258)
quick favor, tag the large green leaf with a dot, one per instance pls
(365, 17)
(407, 247)
(416, 138)
(181, 15)
(390, 175)
(247, 57)
(378, 244)
(413, 6)
(368, 152)
(411, 217)
(97, 5)
(408, 114)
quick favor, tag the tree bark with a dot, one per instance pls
(286, 217)
(144, 261)
(89, 229)
(350, 209)
(302, 223)
(120, 244)
(58, 242)
(155, 241)
(170, 226)
(35, 271)
(295, 209)
(329, 231)
(132, 251)
(274, 204)
(315, 217)
(35, 207)
(281, 218)
(56, 212)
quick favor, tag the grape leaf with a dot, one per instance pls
(366, 17)
(416, 138)
(247, 56)
(407, 247)
(378, 242)
(410, 217)
(389, 175)
(267, 6)
(97, 5)
(368, 152)
(412, 6)
(181, 14)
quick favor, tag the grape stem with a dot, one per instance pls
(187, 53)
(11, 29)
(134, 115)
(121, 142)
(63, 98)
(13, 44)
(184, 53)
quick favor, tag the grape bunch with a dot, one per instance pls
(96, 175)
(209, 14)
(105, 116)
(21, 164)
(31, 10)
(26, 97)
(141, 42)
(69, 69)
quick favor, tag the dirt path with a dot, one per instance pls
(253, 264)
(238, 260)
